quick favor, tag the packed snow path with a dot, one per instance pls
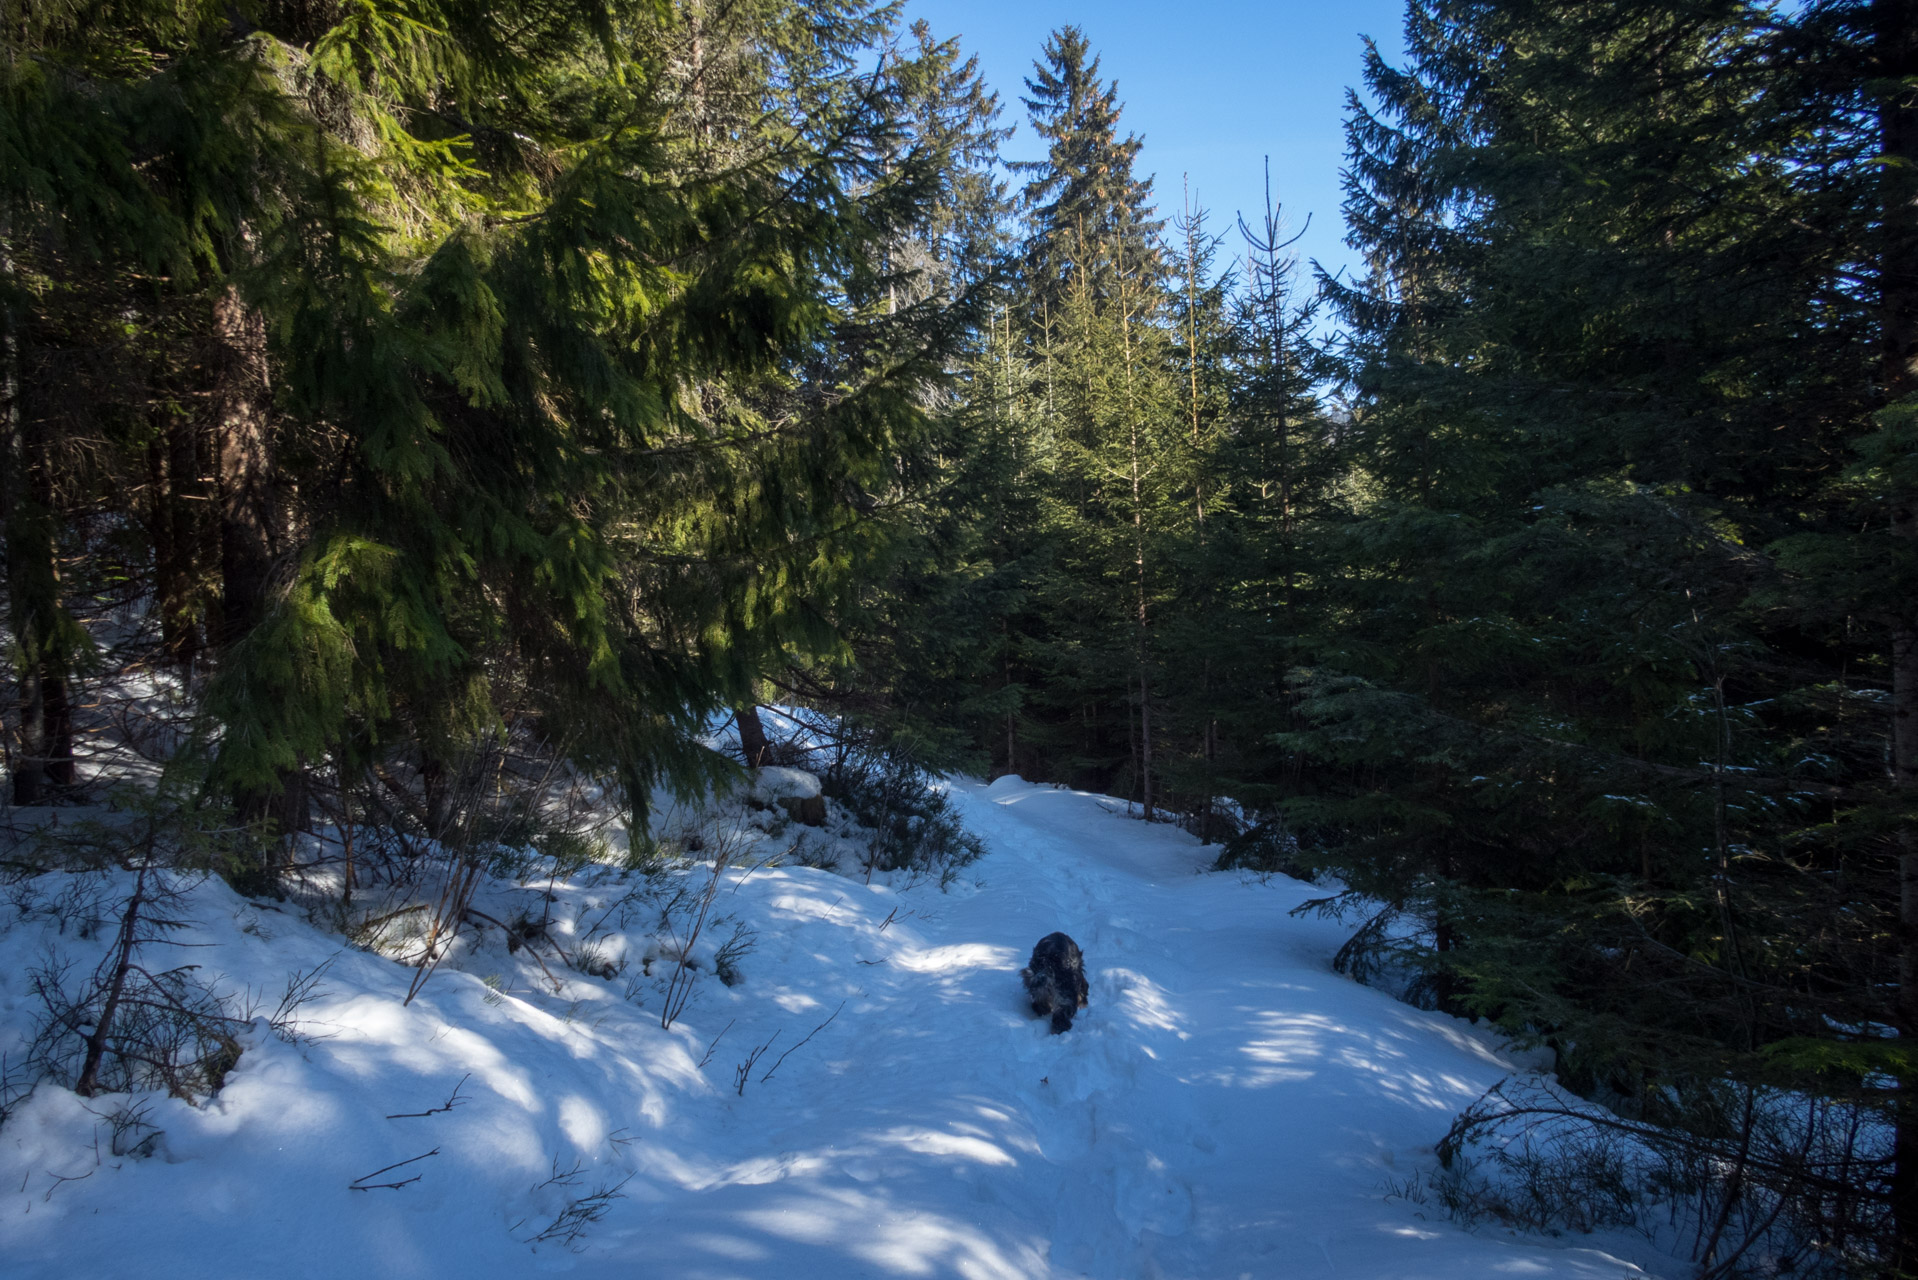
(1226, 1107)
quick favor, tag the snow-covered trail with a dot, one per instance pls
(1226, 1108)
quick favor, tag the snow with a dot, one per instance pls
(772, 782)
(1226, 1106)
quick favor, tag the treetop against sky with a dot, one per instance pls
(1213, 87)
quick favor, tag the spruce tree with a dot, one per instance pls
(542, 369)
(1089, 213)
(1595, 707)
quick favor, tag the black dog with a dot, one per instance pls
(1055, 978)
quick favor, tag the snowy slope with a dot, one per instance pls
(1226, 1107)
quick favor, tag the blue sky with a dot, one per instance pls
(1213, 86)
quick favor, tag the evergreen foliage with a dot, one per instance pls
(541, 362)
(1089, 213)
(1600, 719)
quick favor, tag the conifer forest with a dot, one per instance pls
(442, 440)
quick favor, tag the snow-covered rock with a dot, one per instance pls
(774, 782)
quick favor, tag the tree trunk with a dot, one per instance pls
(1145, 736)
(752, 736)
(1012, 739)
(1904, 745)
(1444, 942)
(435, 796)
(251, 524)
(173, 481)
(88, 1085)
(1895, 37)
(1209, 743)
(247, 523)
(62, 772)
(1138, 564)
(43, 760)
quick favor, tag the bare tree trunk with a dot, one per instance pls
(1191, 228)
(1012, 740)
(1138, 564)
(1904, 751)
(1209, 741)
(173, 481)
(1145, 736)
(241, 409)
(44, 758)
(30, 749)
(752, 736)
(62, 771)
(1895, 35)
(25, 778)
(88, 1085)
(1145, 654)
(166, 572)
(251, 525)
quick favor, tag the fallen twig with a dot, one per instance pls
(453, 1099)
(375, 1186)
(392, 915)
(715, 1044)
(571, 1223)
(802, 1044)
(61, 1179)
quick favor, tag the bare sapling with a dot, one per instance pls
(679, 985)
(128, 1026)
(481, 792)
(802, 1044)
(744, 1071)
(115, 989)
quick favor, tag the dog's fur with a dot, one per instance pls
(1055, 978)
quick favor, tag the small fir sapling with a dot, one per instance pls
(127, 1026)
